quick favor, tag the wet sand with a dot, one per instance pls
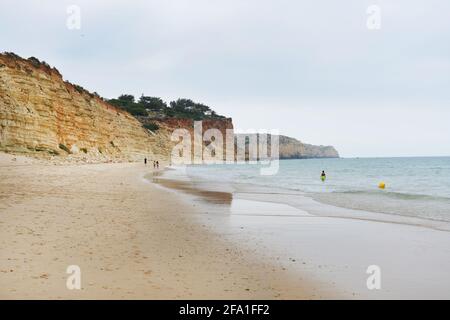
(331, 247)
(132, 240)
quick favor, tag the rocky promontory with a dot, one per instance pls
(291, 148)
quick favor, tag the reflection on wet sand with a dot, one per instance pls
(191, 187)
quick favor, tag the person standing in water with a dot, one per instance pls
(323, 176)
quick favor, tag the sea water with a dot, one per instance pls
(415, 187)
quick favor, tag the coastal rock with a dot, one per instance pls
(43, 115)
(40, 113)
(291, 148)
(171, 124)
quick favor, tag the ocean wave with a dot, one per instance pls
(435, 208)
(395, 195)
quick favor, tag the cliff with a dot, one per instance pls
(290, 148)
(40, 113)
(43, 115)
(172, 124)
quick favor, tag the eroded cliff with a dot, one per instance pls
(291, 148)
(42, 113)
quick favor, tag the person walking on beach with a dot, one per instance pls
(157, 164)
(145, 161)
(323, 176)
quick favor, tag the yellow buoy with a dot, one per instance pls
(382, 185)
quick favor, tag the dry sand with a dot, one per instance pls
(131, 239)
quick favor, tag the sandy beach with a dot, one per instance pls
(233, 150)
(136, 239)
(131, 239)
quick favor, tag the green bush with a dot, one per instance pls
(35, 62)
(181, 108)
(80, 89)
(151, 126)
(63, 147)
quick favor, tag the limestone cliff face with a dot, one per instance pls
(291, 148)
(171, 124)
(174, 123)
(41, 113)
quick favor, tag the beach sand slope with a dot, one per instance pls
(130, 238)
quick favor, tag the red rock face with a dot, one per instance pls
(42, 114)
(172, 124)
(175, 123)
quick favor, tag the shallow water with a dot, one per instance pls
(415, 187)
(309, 240)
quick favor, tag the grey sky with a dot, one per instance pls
(311, 69)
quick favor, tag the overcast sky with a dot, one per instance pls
(311, 69)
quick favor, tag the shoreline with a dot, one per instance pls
(320, 233)
(134, 239)
(301, 200)
(131, 239)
